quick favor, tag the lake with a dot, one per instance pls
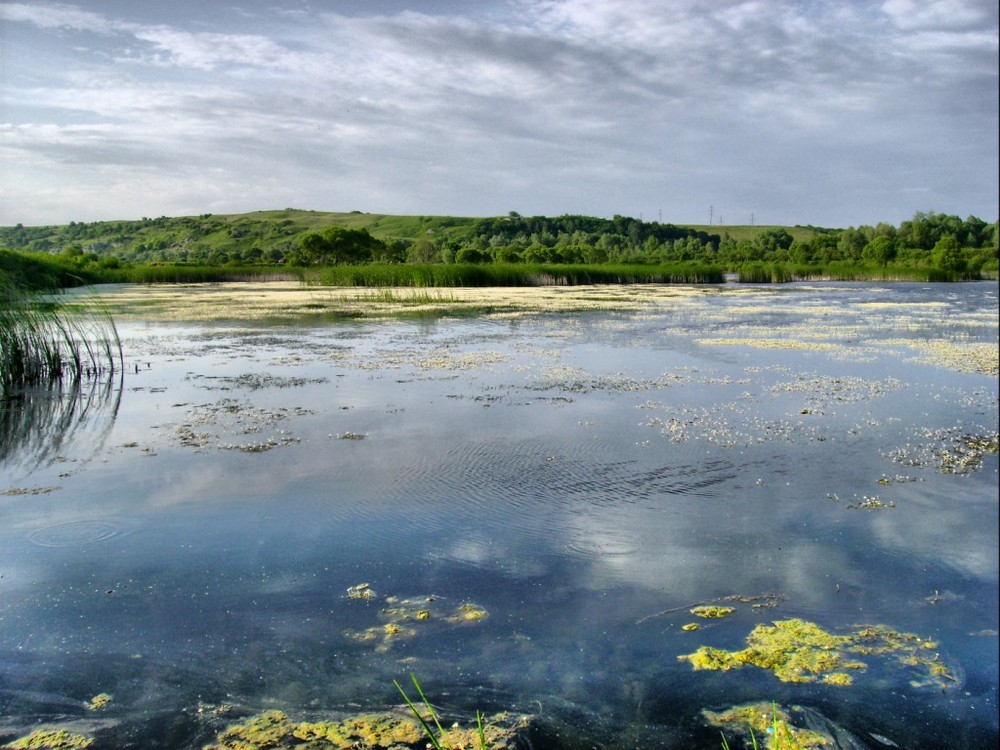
(525, 510)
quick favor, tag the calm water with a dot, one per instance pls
(187, 539)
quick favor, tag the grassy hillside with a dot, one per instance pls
(167, 238)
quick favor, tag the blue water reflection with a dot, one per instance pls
(583, 478)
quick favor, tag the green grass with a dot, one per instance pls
(436, 738)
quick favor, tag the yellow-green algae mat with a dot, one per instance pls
(801, 651)
(768, 722)
(51, 739)
(385, 731)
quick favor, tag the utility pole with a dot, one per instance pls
(711, 213)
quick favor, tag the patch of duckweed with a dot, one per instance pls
(768, 722)
(99, 701)
(374, 731)
(709, 612)
(254, 381)
(406, 618)
(826, 389)
(51, 739)
(982, 358)
(796, 650)
(211, 424)
(29, 491)
(950, 451)
(768, 343)
(361, 591)
(871, 502)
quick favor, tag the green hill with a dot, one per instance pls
(309, 238)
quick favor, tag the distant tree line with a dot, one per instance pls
(963, 247)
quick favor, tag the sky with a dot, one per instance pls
(825, 112)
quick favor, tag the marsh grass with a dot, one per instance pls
(510, 275)
(437, 739)
(43, 344)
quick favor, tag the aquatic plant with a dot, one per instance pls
(42, 343)
(441, 736)
(800, 651)
(51, 739)
(774, 726)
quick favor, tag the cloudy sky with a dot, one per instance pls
(825, 112)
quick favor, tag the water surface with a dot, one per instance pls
(585, 479)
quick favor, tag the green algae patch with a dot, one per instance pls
(406, 618)
(768, 723)
(712, 612)
(375, 731)
(51, 739)
(99, 702)
(800, 651)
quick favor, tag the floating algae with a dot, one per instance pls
(773, 726)
(389, 731)
(801, 651)
(209, 424)
(710, 612)
(99, 701)
(405, 618)
(51, 739)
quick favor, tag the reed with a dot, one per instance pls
(42, 344)
(510, 274)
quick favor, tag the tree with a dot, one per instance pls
(340, 245)
(880, 250)
(947, 254)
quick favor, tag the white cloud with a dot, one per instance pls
(547, 107)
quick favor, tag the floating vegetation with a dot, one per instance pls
(254, 381)
(758, 602)
(99, 701)
(871, 502)
(767, 343)
(950, 451)
(827, 389)
(771, 723)
(51, 739)
(712, 612)
(373, 731)
(982, 358)
(361, 591)
(29, 490)
(232, 417)
(800, 651)
(406, 618)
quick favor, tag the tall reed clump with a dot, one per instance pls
(42, 344)
(510, 274)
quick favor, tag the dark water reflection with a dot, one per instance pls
(582, 478)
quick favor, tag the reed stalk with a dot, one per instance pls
(43, 344)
